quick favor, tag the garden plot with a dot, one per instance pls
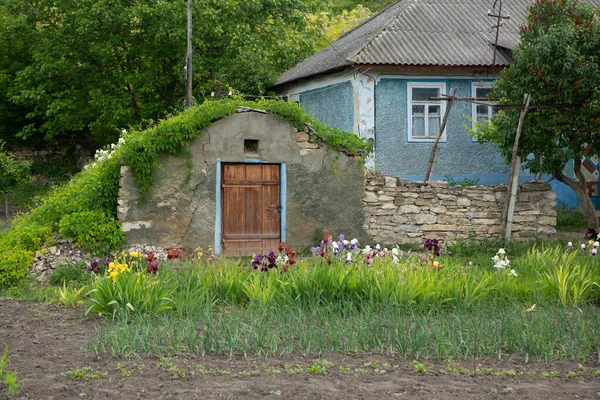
(471, 320)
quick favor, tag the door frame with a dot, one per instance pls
(218, 245)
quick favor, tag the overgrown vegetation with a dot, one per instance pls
(445, 307)
(84, 208)
(568, 219)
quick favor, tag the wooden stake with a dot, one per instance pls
(513, 183)
(439, 136)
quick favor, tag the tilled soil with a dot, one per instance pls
(46, 342)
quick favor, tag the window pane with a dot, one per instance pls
(481, 119)
(434, 126)
(418, 110)
(421, 94)
(418, 126)
(482, 92)
(482, 110)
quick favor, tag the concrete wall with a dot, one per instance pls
(403, 212)
(323, 187)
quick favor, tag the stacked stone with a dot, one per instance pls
(401, 212)
(61, 252)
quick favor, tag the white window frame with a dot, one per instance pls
(412, 85)
(474, 87)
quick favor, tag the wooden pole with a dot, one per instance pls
(439, 136)
(515, 167)
(189, 99)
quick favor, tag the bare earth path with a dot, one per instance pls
(45, 342)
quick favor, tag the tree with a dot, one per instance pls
(557, 63)
(13, 172)
(93, 67)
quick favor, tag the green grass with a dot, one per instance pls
(568, 219)
(546, 334)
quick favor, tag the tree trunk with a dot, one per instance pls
(580, 188)
(6, 205)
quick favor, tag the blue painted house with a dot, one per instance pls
(376, 81)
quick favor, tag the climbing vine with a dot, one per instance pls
(143, 149)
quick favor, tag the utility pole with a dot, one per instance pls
(189, 99)
(499, 23)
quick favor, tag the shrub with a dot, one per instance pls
(69, 273)
(93, 230)
(15, 265)
(26, 237)
(568, 219)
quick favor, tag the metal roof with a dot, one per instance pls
(443, 33)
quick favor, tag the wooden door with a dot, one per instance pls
(250, 194)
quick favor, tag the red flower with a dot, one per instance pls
(281, 246)
(173, 253)
(326, 238)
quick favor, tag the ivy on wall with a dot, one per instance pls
(142, 150)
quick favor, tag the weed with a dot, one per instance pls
(372, 364)
(84, 373)
(344, 370)
(167, 364)
(379, 371)
(486, 371)
(291, 370)
(361, 371)
(319, 367)
(122, 368)
(510, 372)
(552, 374)
(275, 392)
(204, 371)
(596, 373)
(507, 390)
(8, 377)
(250, 373)
(419, 368)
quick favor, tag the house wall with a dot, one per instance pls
(332, 105)
(459, 155)
(323, 187)
(380, 107)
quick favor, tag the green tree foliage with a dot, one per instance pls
(556, 63)
(334, 26)
(12, 173)
(97, 66)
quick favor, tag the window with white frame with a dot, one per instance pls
(424, 115)
(481, 112)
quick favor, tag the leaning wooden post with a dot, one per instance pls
(439, 136)
(515, 168)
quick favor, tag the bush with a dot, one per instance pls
(15, 265)
(69, 273)
(93, 230)
(570, 219)
(26, 237)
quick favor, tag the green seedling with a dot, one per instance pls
(419, 368)
(84, 373)
(552, 374)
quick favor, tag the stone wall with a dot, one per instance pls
(402, 212)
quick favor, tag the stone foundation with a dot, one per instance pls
(402, 212)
